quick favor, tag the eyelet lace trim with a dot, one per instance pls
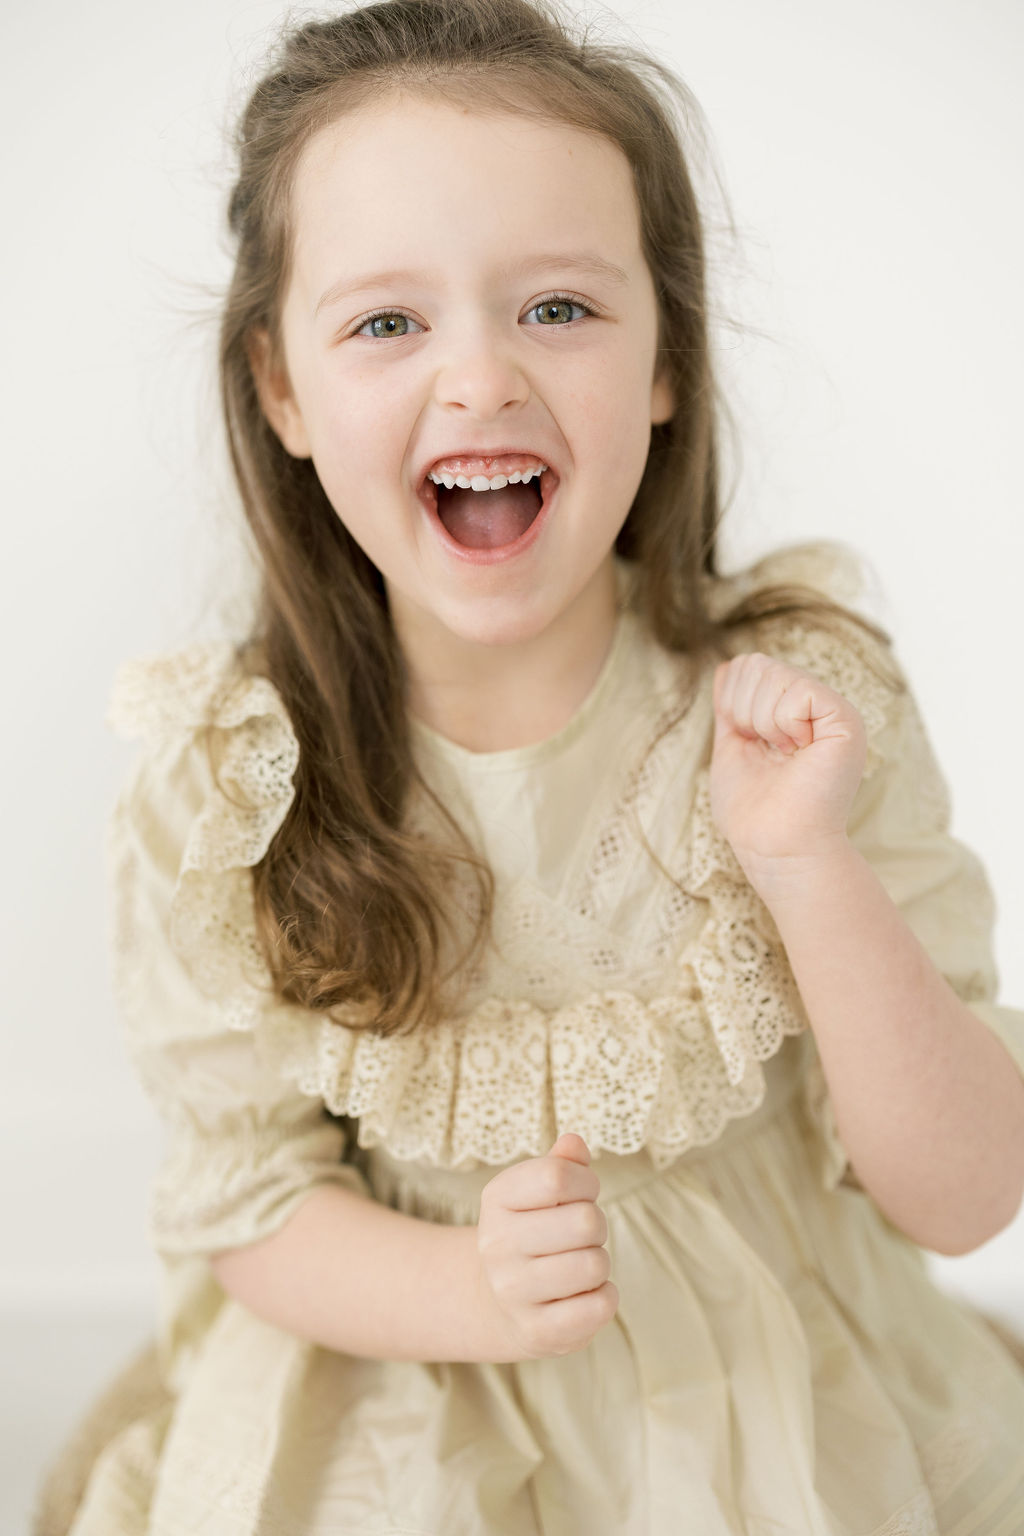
(664, 1070)
(167, 700)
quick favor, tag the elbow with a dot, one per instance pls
(1010, 1215)
(993, 1216)
(955, 1234)
(956, 1248)
(971, 1241)
(1010, 1209)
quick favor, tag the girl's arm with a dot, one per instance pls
(528, 1280)
(356, 1276)
(929, 1103)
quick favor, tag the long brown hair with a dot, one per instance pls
(350, 904)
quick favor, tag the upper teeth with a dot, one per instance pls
(482, 483)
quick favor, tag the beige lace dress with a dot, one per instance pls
(780, 1364)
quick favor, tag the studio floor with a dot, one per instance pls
(54, 1364)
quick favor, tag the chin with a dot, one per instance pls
(498, 630)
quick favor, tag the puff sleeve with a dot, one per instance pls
(243, 1146)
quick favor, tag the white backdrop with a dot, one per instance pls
(872, 157)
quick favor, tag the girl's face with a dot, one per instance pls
(469, 233)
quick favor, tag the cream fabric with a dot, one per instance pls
(780, 1363)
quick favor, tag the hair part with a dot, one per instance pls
(358, 914)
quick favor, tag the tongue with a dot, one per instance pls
(487, 519)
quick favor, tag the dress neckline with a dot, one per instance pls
(528, 756)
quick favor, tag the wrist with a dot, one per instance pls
(788, 882)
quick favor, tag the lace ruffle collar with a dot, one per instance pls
(665, 1071)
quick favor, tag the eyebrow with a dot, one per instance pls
(585, 262)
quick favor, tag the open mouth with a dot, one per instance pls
(489, 520)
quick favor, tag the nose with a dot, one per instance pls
(481, 374)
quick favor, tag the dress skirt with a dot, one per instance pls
(780, 1364)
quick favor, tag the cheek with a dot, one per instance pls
(365, 410)
(347, 428)
(359, 446)
(612, 427)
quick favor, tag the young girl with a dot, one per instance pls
(570, 1014)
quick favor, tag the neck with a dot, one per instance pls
(492, 698)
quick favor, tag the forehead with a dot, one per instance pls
(381, 182)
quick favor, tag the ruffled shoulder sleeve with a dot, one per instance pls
(205, 795)
(901, 816)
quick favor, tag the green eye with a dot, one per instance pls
(384, 314)
(550, 307)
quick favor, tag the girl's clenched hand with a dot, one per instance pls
(543, 1275)
(787, 759)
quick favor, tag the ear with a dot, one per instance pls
(663, 403)
(274, 389)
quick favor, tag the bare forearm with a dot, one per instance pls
(928, 1102)
(358, 1277)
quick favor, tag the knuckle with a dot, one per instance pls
(503, 1284)
(581, 1225)
(566, 1340)
(587, 1269)
(590, 1224)
(602, 1305)
(558, 1332)
(486, 1237)
(600, 1265)
(539, 1337)
(552, 1178)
